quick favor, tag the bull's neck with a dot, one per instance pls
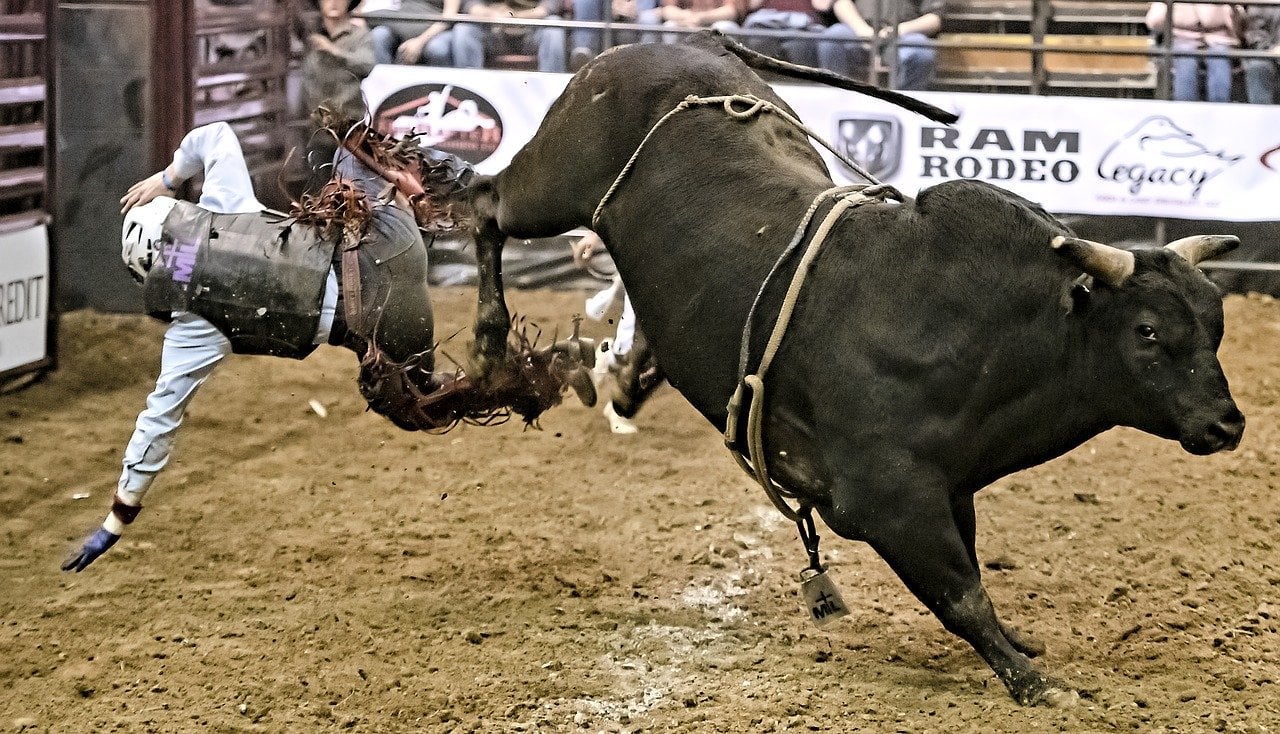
(1052, 404)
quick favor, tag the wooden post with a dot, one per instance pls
(172, 76)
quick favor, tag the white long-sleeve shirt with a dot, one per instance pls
(193, 347)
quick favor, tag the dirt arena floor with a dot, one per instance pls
(299, 573)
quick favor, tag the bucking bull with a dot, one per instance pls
(933, 346)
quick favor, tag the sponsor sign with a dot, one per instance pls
(1191, 160)
(446, 117)
(481, 116)
(874, 142)
(24, 297)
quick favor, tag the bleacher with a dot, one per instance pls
(1093, 47)
(1087, 47)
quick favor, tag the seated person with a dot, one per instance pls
(787, 15)
(338, 56)
(863, 25)
(587, 42)
(1199, 26)
(412, 41)
(473, 43)
(722, 15)
(1261, 33)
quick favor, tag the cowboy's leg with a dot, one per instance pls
(393, 275)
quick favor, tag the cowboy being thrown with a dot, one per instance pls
(348, 267)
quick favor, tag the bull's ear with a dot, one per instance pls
(1200, 247)
(1077, 299)
(1111, 265)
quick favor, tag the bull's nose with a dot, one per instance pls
(1226, 433)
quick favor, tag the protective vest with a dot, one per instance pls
(256, 277)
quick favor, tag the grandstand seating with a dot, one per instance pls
(978, 60)
(986, 47)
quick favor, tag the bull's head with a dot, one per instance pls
(1159, 322)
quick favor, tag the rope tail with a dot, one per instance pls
(757, 60)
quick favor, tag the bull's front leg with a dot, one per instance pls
(493, 320)
(965, 520)
(908, 520)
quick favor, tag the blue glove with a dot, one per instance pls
(96, 545)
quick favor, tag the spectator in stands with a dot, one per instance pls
(1199, 27)
(722, 15)
(472, 43)
(412, 41)
(1261, 33)
(339, 55)
(788, 15)
(863, 26)
(587, 43)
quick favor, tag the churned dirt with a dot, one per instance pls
(299, 573)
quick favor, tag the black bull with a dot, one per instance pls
(938, 344)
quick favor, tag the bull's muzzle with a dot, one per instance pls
(1224, 434)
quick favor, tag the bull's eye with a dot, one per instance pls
(1147, 332)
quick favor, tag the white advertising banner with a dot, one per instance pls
(24, 297)
(1188, 160)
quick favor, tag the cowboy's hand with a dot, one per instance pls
(144, 191)
(96, 545)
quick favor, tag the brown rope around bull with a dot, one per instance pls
(846, 197)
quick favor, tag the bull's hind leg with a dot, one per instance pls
(492, 317)
(912, 528)
(636, 380)
(962, 511)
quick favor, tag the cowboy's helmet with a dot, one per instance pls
(143, 226)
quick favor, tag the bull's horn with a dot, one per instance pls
(1200, 247)
(1109, 264)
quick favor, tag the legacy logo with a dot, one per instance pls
(873, 142)
(1159, 153)
(443, 116)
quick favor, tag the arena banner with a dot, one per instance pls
(1187, 160)
(24, 298)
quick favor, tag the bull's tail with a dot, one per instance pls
(757, 60)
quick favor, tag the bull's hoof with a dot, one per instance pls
(1023, 643)
(1059, 698)
(1044, 691)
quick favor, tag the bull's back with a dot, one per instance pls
(600, 120)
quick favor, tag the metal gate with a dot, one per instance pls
(25, 164)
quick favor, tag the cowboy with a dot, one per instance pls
(348, 268)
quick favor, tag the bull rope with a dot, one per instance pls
(847, 197)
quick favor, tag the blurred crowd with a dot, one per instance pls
(849, 37)
(888, 41)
